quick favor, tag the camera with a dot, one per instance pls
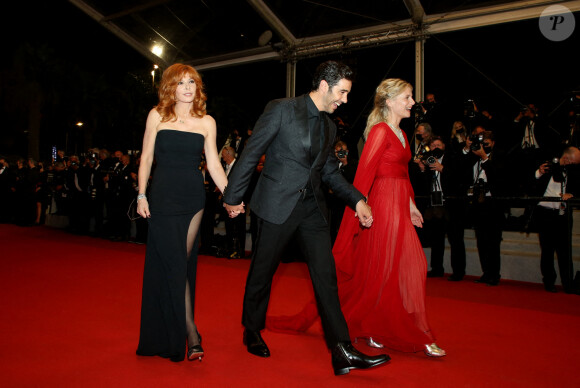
(341, 154)
(429, 157)
(417, 111)
(476, 142)
(557, 170)
(480, 188)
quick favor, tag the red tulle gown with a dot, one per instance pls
(381, 270)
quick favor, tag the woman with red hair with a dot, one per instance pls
(177, 131)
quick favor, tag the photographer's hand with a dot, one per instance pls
(436, 166)
(420, 164)
(481, 153)
(544, 168)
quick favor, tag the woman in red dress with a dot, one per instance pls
(382, 269)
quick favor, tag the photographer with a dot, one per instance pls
(531, 143)
(443, 215)
(420, 183)
(556, 179)
(347, 168)
(77, 182)
(482, 174)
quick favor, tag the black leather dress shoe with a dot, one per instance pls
(482, 279)
(550, 288)
(345, 357)
(255, 344)
(434, 274)
(455, 278)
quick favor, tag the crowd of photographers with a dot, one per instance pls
(469, 169)
(92, 192)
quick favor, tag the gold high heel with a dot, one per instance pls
(370, 342)
(434, 351)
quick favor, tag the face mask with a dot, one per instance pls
(437, 153)
(419, 137)
(487, 149)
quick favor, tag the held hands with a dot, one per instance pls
(234, 210)
(364, 214)
(143, 208)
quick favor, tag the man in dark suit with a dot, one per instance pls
(444, 212)
(482, 173)
(552, 218)
(296, 137)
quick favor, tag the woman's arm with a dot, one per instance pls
(211, 155)
(147, 152)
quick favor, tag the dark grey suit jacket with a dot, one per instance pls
(282, 133)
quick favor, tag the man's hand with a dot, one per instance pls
(481, 153)
(420, 163)
(544, 168)
(234, 210)
(364, 214)
(436, 166)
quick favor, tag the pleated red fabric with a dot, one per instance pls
(381, 270)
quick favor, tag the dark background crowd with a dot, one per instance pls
(462, 158)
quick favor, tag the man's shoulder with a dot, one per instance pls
(284, 102)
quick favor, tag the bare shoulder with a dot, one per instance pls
(154, 114)
(208, 120)
(208, 124)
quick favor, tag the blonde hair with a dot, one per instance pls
(388, 89)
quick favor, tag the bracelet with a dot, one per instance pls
(141, 196)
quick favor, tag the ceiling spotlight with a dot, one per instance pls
(157, 50)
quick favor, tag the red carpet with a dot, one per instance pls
(70, 318)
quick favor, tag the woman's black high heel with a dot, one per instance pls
(195, 351)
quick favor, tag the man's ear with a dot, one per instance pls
(323, 87)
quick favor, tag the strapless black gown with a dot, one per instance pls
(177, 194)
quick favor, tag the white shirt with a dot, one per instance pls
(229, 167)
(554, 189)
(529, 140)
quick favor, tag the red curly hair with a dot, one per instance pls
(171, 77)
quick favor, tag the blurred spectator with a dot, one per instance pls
(458, 137)
(7, 187)
(77, 182)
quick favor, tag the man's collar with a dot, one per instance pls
(311, 106)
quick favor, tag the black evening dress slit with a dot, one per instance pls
(176, 202)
